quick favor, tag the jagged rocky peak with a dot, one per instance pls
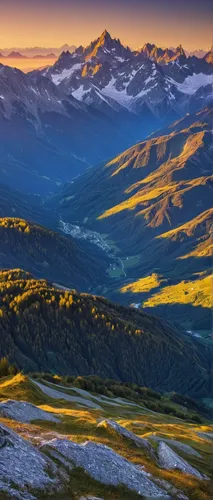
(161, 55)
(148, 48)
(209, 56)
(180, 51)
(105, 37)
(105, 44)
(65, 55)
(64, 61)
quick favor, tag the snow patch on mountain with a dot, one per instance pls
(120, 96)
(193, 82)
(66, 73)
(80, 92)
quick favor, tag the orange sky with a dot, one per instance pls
(53, 23)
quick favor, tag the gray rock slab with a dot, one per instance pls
(105, 465)
(168, 459)
(206, 435)
(122, 431)
(177, 444)
(53, 393)
(24, 412)
(22, 465)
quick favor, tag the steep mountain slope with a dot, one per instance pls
(156, 84)
(159, 193)
(50, 330)
(48, 254)
(48, 137)
(15, 203)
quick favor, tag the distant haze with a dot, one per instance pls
(27, 65)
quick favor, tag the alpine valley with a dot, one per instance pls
(106, 189)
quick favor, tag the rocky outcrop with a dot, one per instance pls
(24, 412)
(206, 435)
(53, 393)
(104, 465)
(123, 432)
(177, 444)
(23, 467)
(168, 459)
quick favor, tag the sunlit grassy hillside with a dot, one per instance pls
(153, 204)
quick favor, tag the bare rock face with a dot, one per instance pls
(104, 465)
(177, 444)
(22, 466)
(206, 435)
(122, 431)
(168, 459)
(24, 412)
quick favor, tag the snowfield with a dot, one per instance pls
(193, 82)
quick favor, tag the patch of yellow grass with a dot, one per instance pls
(143, 284)
(78, 414)
(138, 198)
(17, 379)
(196, 293)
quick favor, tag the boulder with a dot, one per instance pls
(24, 412)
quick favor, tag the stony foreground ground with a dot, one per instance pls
(68, 443)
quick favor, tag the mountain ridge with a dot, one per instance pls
(160, 186)
(49, 254)
(92, 328)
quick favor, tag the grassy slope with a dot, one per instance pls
(81, 424)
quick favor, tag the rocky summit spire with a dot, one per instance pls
(180, 51)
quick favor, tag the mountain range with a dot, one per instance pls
(37, 51)
(106, 241)
(154, 83)
(106, 186)
(89, 106)
(19, 55)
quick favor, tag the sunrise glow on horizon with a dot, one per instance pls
(52, 23)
